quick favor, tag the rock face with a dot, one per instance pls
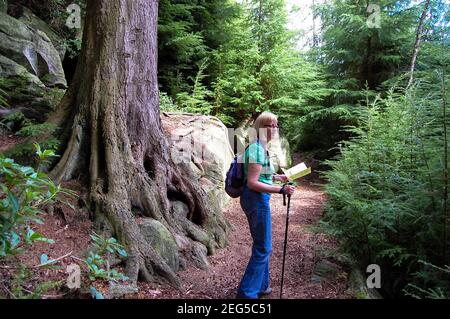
(35, 23)
(9, 68)
(201, 148)
(32, 49)
(162, 241)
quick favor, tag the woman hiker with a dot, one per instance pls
(255, 203)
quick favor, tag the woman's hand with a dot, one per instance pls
(288, 189)
(281, 177)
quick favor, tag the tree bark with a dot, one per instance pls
(417, 43)
(113, 127)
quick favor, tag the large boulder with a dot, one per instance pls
(9, 68)
(32, 49)
(35, 23)
(161, 240)
(200, 146)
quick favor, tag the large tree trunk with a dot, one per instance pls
(114, 134)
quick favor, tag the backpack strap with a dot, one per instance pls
(245, 162)
(246, 159)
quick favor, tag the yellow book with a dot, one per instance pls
(297, 171)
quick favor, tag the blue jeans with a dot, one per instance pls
(256, 278)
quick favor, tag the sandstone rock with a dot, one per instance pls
(32, 49)
(9, 68)
(34, 22)
(201, 148)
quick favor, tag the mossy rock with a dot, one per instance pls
(32, 49)
(162, 241)
(357, 286)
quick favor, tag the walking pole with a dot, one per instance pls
(285, 237)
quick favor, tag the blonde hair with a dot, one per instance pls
(259, 123)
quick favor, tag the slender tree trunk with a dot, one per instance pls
(417, 43)
(315, 40)
(366, 67)
(111, 112)
(445, 177)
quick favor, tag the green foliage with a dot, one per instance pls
(166, 103)
(36, 129)
(236, 88)
(12, 120)
(24, 192)
(355, 53)
(431, 275)
(354, 57)
(188, 30)
(96, 259)
(387, 186)
(197, 100)
(259, 70)
(73, 47)
(22, 279)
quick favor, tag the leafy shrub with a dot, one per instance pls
(96, 260)
(386, 188)
(24, 192)
(36, 129)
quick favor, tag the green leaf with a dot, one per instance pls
(15, 203)
(96, 294)
(15, 240)
(122, 253)
(32, 236)
(44, 258)
(26, 170)
(38, 149)
(45, 240)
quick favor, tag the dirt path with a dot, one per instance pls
(303, 252)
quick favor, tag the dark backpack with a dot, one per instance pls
(234, 181)
(235, 178)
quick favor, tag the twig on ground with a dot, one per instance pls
(9, 291)
(53, 260)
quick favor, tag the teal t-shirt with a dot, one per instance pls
(255, 153)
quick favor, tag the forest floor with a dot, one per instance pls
(308, 253)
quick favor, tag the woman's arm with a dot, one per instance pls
(280, 177)
(254, 184)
